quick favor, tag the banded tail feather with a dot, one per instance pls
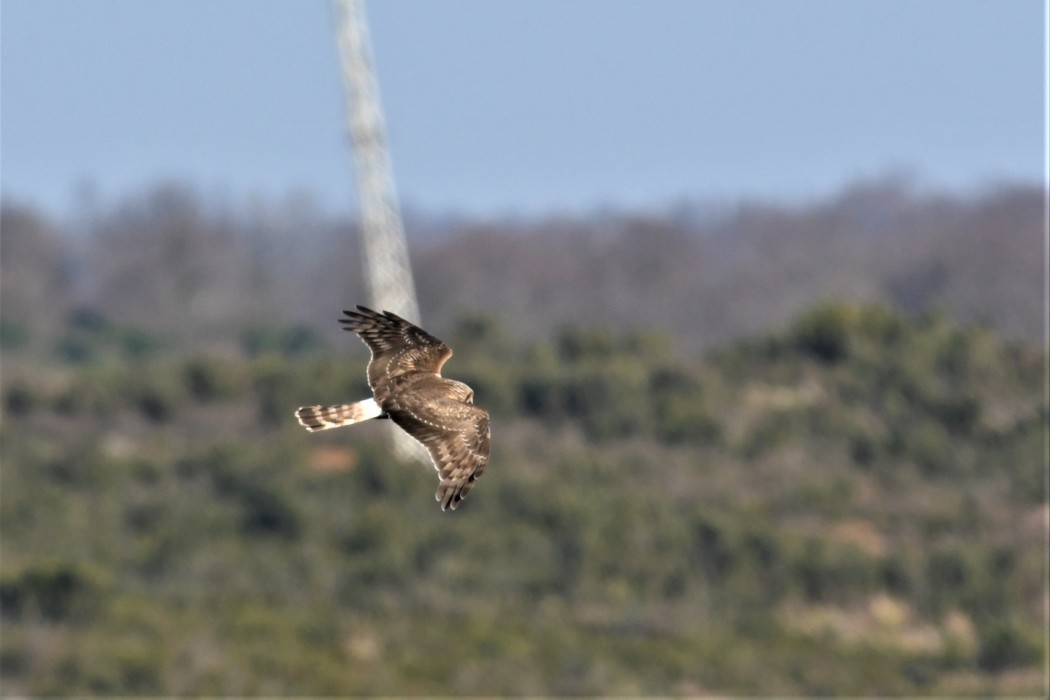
(315, 418)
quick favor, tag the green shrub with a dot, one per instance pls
(58, 591)
(21, 399)
(287, 341)
(1005, 645)
(13, 335)
(208, 379)
(824, 333)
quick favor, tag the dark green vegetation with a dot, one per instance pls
(854, 504)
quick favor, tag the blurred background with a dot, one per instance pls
(754, 291)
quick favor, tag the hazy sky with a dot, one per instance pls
(523, 105)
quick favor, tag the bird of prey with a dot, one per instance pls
(407, 388)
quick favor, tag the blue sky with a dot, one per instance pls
(523, 106)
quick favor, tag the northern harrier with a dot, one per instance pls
(407, 387)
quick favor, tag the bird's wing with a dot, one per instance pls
(456, 434)
(398, 347)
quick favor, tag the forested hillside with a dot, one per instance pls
(854, 504)
(752, 450)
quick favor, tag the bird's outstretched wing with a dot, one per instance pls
(398, 347)
(456, 434)
(405, 376)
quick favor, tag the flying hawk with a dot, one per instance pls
(407, 387)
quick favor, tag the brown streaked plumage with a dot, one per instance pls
(405, 376)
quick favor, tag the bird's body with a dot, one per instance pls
(407, 387)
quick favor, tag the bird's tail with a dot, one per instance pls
(315, 418)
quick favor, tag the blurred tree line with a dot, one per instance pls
(706, 476)
(200, 273)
